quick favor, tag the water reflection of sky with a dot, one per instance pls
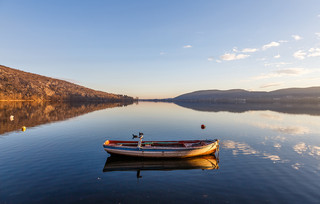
(280, 131)
(255, 146)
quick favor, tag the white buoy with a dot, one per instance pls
(11, 117)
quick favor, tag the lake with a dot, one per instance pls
(268, 153)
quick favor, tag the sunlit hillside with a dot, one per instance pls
(20, 85)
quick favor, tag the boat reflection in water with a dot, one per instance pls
(123, 163)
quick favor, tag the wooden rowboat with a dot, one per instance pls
(162, 149)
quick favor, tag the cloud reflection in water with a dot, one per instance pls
(245, 149)
(311, 150)
(292, 130)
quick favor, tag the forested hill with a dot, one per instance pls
(20, 85)
(311, 94)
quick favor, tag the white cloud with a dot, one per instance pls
(232, 56)
(296, 37)
(283, 41)
(218, 61)
(300, 54)
(249, 50)
(318, 35)
(277, 56)
(162, 53)
(187, 46)
(210, 58)
(272, 44)
(314, 52)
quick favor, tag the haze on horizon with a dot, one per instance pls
(161, 49)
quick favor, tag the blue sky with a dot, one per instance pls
(160, 49)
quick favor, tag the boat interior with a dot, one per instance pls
(195, 143)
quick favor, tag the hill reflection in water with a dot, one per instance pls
(31, 114)
(292, 108)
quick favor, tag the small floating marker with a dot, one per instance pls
(23, 128)
(11, 117)
(203, 126)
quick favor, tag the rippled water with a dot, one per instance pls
(265, 156)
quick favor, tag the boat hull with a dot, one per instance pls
(164, 152)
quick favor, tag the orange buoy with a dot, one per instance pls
(203, 126)
(23, 128)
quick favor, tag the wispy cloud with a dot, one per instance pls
(232, 56)
(270, 85)
(210, 58)
(276, 56)
(187, 46)
(318, 35)
(296, 37)
(272, 44)
(246, 50)
(283, 72)
(300, 54)
(235, 49)
(262, 59)
(162, 53)
(292, 71)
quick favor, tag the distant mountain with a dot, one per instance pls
(20, 85)
(311, 94)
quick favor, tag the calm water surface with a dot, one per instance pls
(265, 156)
